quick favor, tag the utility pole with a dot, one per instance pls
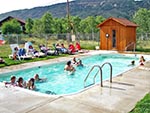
(70, 24)
(68, 12)
(68, 17)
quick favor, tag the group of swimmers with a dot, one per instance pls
(30, 84)
(141, 61)
(70, 64)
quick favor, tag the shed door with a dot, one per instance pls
(114, 38)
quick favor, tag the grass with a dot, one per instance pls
(143, 46)
(142, 106)
(5, 50)
(9, 62)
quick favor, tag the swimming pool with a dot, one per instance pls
(60, 82)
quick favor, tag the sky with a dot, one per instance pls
(10, 5)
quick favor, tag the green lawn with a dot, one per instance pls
(5, 50)
(142, 106)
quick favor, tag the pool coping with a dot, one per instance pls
(53, 102)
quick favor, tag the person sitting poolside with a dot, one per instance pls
(78, 47)
(43, 48)
(64, 49)
(69, 67)
(12, 81)
(15, 53)
(32, 51)
(37, 79)
(71, 49)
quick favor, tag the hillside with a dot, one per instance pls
(84, 8)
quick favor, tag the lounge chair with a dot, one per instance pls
(47, 51)
(60, 49)
(20, 52)
(31, 51)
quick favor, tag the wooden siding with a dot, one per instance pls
(124, 36)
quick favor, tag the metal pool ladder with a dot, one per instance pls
(100, 74)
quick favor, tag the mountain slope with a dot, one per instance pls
(84, 8)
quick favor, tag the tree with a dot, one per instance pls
(58, 28)
(64, 24)
(11, 27)
(88, 25)
(76, 23)
(47, 23)
(142, 19)
(37, 27)
(29, 25)
(99, 20)
(82, 26)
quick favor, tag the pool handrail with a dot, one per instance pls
(101, 76)
(95, 75)
(110, 70)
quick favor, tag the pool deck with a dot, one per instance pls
(120, 96)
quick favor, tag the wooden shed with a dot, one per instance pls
(117, 34)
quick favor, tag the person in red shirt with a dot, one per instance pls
(72, 48)
(78, 47)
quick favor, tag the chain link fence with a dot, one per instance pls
(50, 39)
(86, 40)
(143, 41)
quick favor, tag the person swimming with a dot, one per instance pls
(69, 67)
(142, 60)
(74, 60)
(79, 62)
(132, 63)
(21, 83)
(12, 81)
(38, 79)
(30, 84)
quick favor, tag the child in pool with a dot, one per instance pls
(142, 60)
(30, 84)
(38, 79)
(69, 67)
(12, 81)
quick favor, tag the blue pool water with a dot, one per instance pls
(61, 82)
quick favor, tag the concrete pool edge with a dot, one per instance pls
(90, 100)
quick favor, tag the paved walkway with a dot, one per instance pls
(118, 97)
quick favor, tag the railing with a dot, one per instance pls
(110, 69)
(99, 71)
(130, 44)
